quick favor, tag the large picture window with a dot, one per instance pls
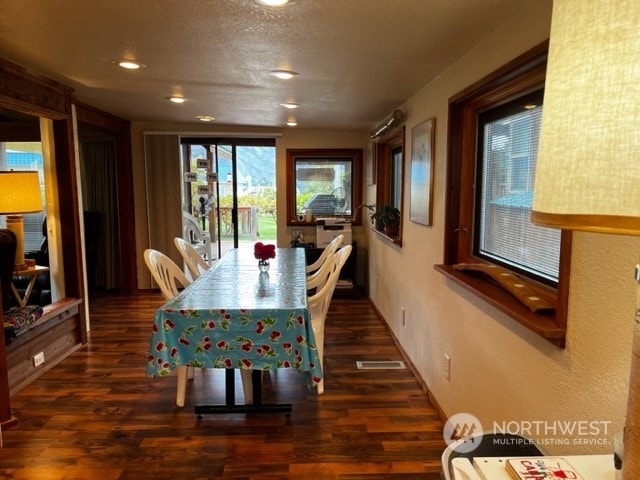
(323, 183)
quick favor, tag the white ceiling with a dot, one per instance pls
(358, 59)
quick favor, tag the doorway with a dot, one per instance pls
(230, 187)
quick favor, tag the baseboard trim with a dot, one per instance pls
(410, 366)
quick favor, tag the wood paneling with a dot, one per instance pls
(26, 92)
(31, 94)
(57, 334)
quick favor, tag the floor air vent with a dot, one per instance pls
(380, 365)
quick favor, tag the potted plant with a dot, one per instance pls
(390, 217)
(376, 216)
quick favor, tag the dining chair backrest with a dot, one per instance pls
(196, 236)
(317, 279)
(194, 261)
(326, 253)
(165, 272)
(318, 303)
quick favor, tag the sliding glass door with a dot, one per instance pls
(229, 186)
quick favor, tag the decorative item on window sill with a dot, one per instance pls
(375, 216)
(263, 253)
(390, 217)
(511, 283)
(385, 218)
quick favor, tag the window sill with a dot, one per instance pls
(395, 240)
(542, 324)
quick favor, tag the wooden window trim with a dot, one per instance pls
(523, 75)
(356, 198)
(384, 147)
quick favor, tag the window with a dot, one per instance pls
(240, 205)
(325, 183)
(493, 140)
(390, 178)
(507, 150)
(396, 177)
(27, 156)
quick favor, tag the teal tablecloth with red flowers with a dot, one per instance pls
(235, 316)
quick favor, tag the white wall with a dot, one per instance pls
(500, 370)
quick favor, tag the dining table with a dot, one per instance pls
(236, 316)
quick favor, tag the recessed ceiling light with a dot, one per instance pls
(205, 118)
(275, 3)
(283, 74)
(289, 105)
(177, 99)
(130, 64)
(291, 123)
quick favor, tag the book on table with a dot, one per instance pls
(541, 468)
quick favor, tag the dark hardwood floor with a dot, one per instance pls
(97, 415)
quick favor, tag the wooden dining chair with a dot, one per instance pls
(326, 253)
(318, 303)
(170, 279)
(196, 265)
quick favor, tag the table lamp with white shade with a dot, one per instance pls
(588, 166)
(19, 194)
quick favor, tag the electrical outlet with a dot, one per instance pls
(402, 314)
(38, 359)
(447, 367)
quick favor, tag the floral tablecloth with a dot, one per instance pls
(233, 316)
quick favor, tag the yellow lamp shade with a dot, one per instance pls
(588, 166)
(19, 192)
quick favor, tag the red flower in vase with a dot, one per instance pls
(264, 251)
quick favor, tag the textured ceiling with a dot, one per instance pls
(357, 59)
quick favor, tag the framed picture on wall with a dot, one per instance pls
(422, 152)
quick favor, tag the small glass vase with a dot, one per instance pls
(263, 265)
